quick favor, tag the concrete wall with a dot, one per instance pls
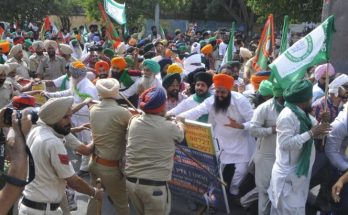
(339, 50)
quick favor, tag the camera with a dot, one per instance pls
(96, 48)
(8, 115)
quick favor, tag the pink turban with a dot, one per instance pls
(320, 70)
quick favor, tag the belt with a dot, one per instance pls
(39, 205)
(147, 181)
(104, 162)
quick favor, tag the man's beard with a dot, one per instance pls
(103, 76)
(2, 81)
(322, 86)
(308, 109)
(62, 130)
(201, 93)
(51, 54)
(222, 105)
(39, 53)
(147, 82)
(173, 94)
(115, 74)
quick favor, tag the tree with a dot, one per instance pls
(35, 10)
(236, 10)
(298, 10)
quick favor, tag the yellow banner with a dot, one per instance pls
(199, 137)
(40, 100)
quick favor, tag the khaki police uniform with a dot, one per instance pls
(21, 69)
(6, 93)
(34, 61)
(149, 162)
(50, 69)
(109, 123)
(52, 166)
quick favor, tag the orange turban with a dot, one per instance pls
(132, 42)
(223, 80)
(256, 80)
(207, 49)
(78, 65)
(119, 62)
(103, 64)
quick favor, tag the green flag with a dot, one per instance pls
(311, 50)
(265, 47)
(85, 33)
(284, 45)
(163, 35)
(116, 11)
(228, 57)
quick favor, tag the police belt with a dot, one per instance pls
(105, 162)
(146, 181)
(39, 205)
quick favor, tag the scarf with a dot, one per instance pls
(83, 96)
(199, 100)
(126, 79)
(302, 166)
(277, 106)
(63, 85)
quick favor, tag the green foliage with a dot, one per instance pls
(298, 10)
(35, 10)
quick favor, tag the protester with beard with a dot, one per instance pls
(230, 114)
(66, 51)
(150, 69)
(52, 66)
(295, 152)
(101, 70)
(320, 77)
(36, 58)
(120, 72)
(53, 169)
(171, 83)
(202, 82)
(154, 35)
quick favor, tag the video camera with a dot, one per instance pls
(8, 115)
(97, 48)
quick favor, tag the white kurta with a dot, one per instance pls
(183, 106)
(132, 90)
(236, 145)
(288, 192)
(264, 118)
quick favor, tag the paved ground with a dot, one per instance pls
(179, 205)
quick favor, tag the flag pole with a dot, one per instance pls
(326, 96)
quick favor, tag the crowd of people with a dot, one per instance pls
(122, 105)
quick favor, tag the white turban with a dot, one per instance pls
(48, 43)
(121, 49)
(108, 88)
(65, 49)
(14, 50)
(55, 109)
(245, 53)
(337, 83)
(196, 48)
(38, 44)
(4, 68)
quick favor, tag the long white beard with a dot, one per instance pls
(146, 83)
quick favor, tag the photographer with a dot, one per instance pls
(18, 157)
(95, 53)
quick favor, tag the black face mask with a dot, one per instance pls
(2, 81)
(62, 130)
(154, 33)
